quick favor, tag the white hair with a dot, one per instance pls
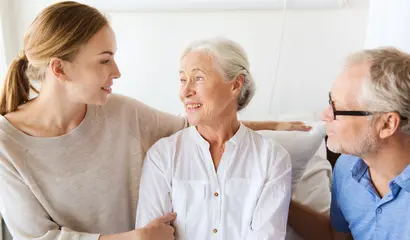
(231, 61)
(387, 86)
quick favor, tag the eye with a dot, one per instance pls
(199, 78)
(105, 62)
(182, 80)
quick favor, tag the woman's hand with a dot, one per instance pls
(276, 126)
(159, 229)
(292, 126)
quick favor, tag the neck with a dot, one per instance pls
(54, 111)
(219, 131)
(391, 158)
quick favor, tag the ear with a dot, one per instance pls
(57, 68)
(237, 84)
(389, 123)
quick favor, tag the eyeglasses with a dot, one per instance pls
(351, 112)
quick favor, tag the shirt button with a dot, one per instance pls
(215, 230)
(216, 194)
(379, 210)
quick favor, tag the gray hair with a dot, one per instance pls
(231, 61)
(387, 87)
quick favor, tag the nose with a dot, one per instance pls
(187, 90)
(327, 114)
(116, 71)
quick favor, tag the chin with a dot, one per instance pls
(334, 146)
(193, 120)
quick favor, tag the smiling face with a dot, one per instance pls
(89, 77)
(207, 97)
(355, 135)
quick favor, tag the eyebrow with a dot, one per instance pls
(193, 70)
(106, 52)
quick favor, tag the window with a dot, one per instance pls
(2, 58)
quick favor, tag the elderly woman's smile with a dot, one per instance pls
(192, 107)
(207, 94)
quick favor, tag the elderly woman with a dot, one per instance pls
(223, 180)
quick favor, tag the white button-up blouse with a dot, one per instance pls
(246, 198)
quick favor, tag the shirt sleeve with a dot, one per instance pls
(154, 124)
(155, 191)
(23, 214)
(337, 219)
(269, 219)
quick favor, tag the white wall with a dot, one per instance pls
(8, 20)
(388, 24)
(314, 46)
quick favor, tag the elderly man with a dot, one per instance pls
(368, 122)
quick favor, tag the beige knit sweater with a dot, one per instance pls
(84, 183)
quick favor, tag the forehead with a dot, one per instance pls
(197, 59)
(348, 85)
(103, 40)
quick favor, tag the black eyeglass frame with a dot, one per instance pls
(352, 112)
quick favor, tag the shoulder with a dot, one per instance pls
(8, 140)
(125, 111)
(345, 164)
(119, 103)
(269, 152)
(12, 154)
(342, 172)
(164, 151)
(168, 145)
(267, 144)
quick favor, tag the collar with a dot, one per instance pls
(234, 140)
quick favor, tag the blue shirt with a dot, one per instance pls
(357, 207)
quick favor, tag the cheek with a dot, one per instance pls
(347, 130)
(206, 94)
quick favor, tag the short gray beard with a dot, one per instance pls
(366, 144)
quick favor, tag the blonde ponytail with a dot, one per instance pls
(16, 88)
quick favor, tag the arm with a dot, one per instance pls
(154, 124)
(158, 229)
(154, 193)
(269, 219)
(312, 225)
(24, 215)
(26, 218)
(276, 126)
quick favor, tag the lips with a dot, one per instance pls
(107, 89)
(193, 105)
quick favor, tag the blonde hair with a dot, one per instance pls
(231, 61)
(59, 31)
(387, 87)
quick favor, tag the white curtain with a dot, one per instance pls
(2, 49)
(2, 74)
(2, 57)
(389, 24)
